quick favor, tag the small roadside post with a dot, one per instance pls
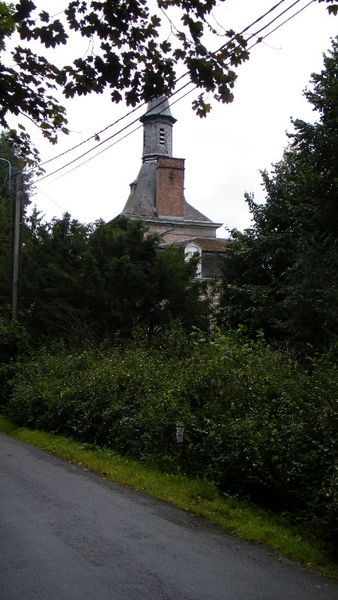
(179, 436)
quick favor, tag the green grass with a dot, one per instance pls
(195, 496)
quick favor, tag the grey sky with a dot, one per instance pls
(223, 152)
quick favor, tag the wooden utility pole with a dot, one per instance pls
(16, 256)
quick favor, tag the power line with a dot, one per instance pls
(94, 136)
(289, 19)
(116, 142)
(275, 19)
(257, 21)
(50, 199)
(174, 93)
(101, 143)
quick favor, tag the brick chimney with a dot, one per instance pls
(170, 187)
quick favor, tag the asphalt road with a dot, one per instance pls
(66, 534)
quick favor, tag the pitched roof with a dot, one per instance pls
(156, 107)
(142, 199)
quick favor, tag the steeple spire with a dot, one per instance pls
(157, 194)
(157, 129)
(158, 106)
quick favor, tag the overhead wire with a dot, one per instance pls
(282, 13)
(51, 199)
(116, 142)
(289, 19)
(103, 142)
(173, 94)
(94, 136)
(130, 124)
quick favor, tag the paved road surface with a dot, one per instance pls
(65, 534)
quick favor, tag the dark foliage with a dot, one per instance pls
(131, 55)
(133, 58)
(104, 281)
(281, 275)
(256, 423)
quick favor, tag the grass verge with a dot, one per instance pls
(195, 496)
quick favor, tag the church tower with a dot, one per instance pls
(157, 194)
(157, 130)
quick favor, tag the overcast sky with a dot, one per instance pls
(223, 152)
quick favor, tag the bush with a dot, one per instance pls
(14, 345)
(126, 400)
(256, 423)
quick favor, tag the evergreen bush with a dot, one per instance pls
(256, 423)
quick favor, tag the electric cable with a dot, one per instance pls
(94, 136)
(116, 142)
(51, 200)
(282, 13)
(177, 91)
(101, 143)
(286, 20)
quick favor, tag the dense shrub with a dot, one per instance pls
(256, 423)
(126, 400)
(14, 345)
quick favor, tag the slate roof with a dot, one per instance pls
(192, 214)
(142, 199)
(158, 106)
(141, 202)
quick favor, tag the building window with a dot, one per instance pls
(162, 137)
(191, 250)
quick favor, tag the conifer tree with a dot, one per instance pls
(282, 274)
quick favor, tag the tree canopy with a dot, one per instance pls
(281, 275)
(103, 281)
(128, 54)
(92, 282)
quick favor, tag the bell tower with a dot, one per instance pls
(157, 194)
(157, 130)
